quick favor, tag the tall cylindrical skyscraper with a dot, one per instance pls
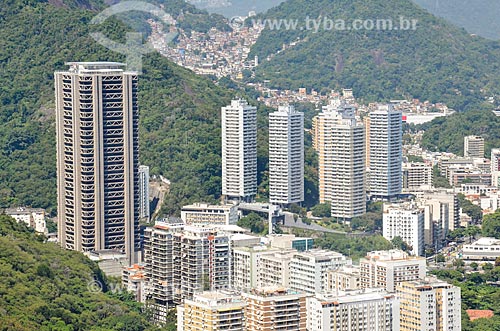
(97, 120)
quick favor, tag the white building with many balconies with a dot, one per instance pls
(239, 151)
(286, 156)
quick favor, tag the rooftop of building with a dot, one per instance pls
(23, 211)
(285, 110)
(237, 103)
(428, 283)
(474, 137)
(404, 206)
(345, 297)
(320, 254)
(475, 314)
(486, 241)
(95, 67)
(164, 225)
(221, 300)
(257, 248)
(242, 236)
(230, 228)
(202, 206)
(135, 267)
(408, 165)
(106, 254)
(391, 255)
(347, 270)
(196, 231)
(287, 236)
(273, 291)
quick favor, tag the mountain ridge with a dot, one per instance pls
(437, 61)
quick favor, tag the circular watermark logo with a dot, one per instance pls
(237, 22)
(94, 286)
(133, 48)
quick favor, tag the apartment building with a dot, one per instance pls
(343, 279)
(286, 156)
(246, 263)
(274, 268)
(441, 215)
(416, 175)
(32, 217)
(97, 118)
(203, 213)
(288, 241)
(239, 151)
(367, 310)
(366, 123)
(275, 308)
(406, 221)
(429, 305)
(183, 260)
(159, 268)
(386, 152)
(133, 280)
(308, 269)
(495, 166)
(473, 146)
(202, 261)
(483, 249)
(340, 142)
(212, 311)
(388, 269)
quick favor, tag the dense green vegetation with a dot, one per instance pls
(322, 210)
(44, 287)
(180, 112)
(398, 243)
(491, 225)
(353, 246)
(464, 233)
(474, 211)
(438, 180)
(372, 220)
(254, 223)
(477, 293)
(479, 17)
(446, 134)
(437, 61)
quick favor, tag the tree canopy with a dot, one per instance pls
(44, 287)
(491, 225)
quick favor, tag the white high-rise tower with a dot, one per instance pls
(286, 156)
(495, 166)
(239, 151)
(97, 120)
(386, 152)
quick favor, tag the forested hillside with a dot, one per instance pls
(179, 111)
(44, 287)
(446, 134)
(437, 61)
